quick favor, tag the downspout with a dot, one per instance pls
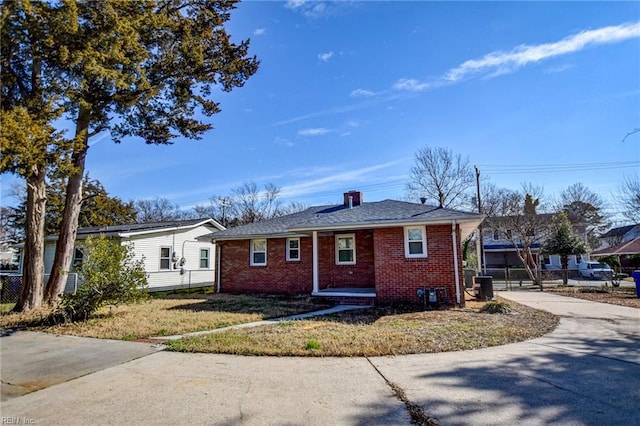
(219, 269)
(454, 238)
(316, 286)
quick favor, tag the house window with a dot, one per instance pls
(415, 241)
(204, 258)
(258, 252)
(165, 258)
(346, 249)
(78, 257)
(509, 234)
(496, 235)
(293, 249)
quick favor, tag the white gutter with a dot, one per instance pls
(455, 260)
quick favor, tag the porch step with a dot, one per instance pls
(348, 300)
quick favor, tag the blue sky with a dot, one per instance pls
(347, 93)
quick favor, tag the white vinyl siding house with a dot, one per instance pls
(173, 252)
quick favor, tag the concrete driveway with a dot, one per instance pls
(33, 361)
(584, 373)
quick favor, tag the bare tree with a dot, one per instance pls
(250, 204)
(440, 175)
(629, 198)
(157, 209)
(516, 218)
(585, 211)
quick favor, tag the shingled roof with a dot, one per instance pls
(139, 228)
(340, 217)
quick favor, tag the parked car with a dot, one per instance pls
(595, 270)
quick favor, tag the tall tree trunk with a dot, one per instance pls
(33, 262)
(69, 226)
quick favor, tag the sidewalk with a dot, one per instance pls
(570, 306)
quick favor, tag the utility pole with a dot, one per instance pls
(480, 251)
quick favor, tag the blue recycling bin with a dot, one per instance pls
(636, 278)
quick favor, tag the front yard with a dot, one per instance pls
(623, 296)
(166, 316)
(368, 332)
(378, 332)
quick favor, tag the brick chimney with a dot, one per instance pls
(353, 198)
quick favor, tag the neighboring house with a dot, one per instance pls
(619, 235)
(9, 255)
(174, 254)
(623, 251)
(500, 252)
(382, 251)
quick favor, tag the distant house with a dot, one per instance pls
(385, 251)
(500, 251)
(619, 235)
(174, 256)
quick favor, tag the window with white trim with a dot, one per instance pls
(415, 241)
(258, 252)
(345, 249)
(204, 258)
(165, 258)
(293, 249)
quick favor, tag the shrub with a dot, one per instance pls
(109, 276)
(312, 344)
(496, 308)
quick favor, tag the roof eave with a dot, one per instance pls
(215, 238)
(476, 221)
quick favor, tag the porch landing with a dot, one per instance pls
(347, 292)
(349, 295)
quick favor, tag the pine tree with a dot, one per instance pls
(564, 242)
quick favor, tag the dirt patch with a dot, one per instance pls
(619, 296)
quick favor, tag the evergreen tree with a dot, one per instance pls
(142, 69)
(564, 242)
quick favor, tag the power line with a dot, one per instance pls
(556, 168)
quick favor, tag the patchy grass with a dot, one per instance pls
(378, 332)
(624, 296)
(6, 307)
(175, 314)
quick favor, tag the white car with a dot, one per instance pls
(595, 270)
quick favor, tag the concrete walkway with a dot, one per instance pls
(328, 311)
(584, 373)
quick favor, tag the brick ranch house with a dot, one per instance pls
(382, 251)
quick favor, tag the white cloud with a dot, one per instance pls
(312, 9)
(361, 93)
(499, 63)
(294, 4)
(557, 69)
(319, 131)
(283, 142)
(410, 85)
(259, 31)
(325, 56)
(335, 179)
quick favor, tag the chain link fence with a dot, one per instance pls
(518, 278)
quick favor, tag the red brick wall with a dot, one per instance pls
(395, 277)
(362, 274)
(279, 276)
(398, 278)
